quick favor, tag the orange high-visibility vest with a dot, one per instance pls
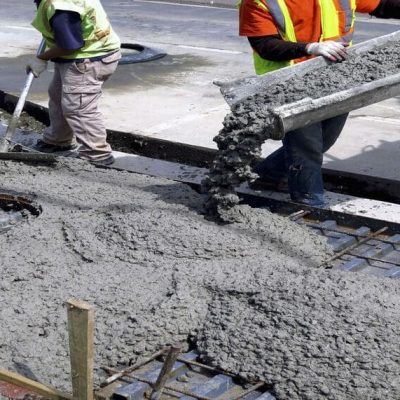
(331, 27)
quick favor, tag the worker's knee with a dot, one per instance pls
(305, 143)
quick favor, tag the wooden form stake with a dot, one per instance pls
(81, 343)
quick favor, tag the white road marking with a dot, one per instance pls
(366, 18)
(24, 28)
(209, 49)
(392, 121)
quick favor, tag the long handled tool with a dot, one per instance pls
(7, 139)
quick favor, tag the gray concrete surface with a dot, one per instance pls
(252, 294)
(331, 358)
(174, 98)
(136, 247)
(350, 205)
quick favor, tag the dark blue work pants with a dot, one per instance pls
(299, 160)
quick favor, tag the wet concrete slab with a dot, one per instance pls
(139, 249)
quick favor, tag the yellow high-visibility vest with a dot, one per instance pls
(330, 27)
(98, 35)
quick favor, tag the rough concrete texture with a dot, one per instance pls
(136, 247)
(309, 334)
(249, 124)
(25, 122)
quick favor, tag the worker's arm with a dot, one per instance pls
(387, 9)
(54, 52)
(67, 30)
(273, 48)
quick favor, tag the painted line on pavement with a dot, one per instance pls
(183, 46)
(364, 18)
(24, 28)
(392, 121)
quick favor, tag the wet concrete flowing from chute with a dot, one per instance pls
(249, 124)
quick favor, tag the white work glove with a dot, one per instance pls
(333, 51)
(37, 66)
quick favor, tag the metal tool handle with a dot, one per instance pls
(20, 105)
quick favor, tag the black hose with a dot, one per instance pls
(144, 54)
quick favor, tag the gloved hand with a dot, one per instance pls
(37, 66)
(333, 51)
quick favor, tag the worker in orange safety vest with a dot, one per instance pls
(284, 32)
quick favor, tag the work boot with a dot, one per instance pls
(44, 147)
(312, 200)
(103, 163)
(266, 184)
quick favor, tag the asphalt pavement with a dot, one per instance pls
(174, 97)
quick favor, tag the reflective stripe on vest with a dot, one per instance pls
(330, 27)
(98, 35)
(346, 7)
(330, 20)
(280, 13)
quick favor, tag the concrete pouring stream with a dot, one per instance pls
(252, 295)
(249, 124)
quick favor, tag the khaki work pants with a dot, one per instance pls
(74, 95)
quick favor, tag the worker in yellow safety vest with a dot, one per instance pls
(284, 32)
(85, 51)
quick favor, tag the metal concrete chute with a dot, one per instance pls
(308, 111)
(234, 91)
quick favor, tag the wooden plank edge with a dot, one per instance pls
(36, 387)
